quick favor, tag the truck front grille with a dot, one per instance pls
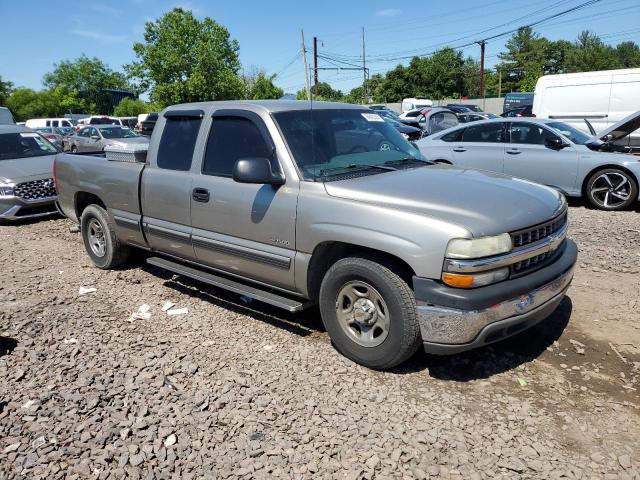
(534, 263)
(539, 232)
(35, 189)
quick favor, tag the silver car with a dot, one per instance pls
(546, 151)
(26, 174)
(95, 138)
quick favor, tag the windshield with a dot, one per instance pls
(573, 134)
(24, 144)
(117, 132)
(326, 142)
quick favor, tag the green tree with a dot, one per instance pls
(259, 86)
(184, 59)
(628, 54)
(590, 53)
(27, 103)
(5, 90)
(89, 77)
(129, 107)
(325, 93)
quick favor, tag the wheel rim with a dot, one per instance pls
(611, 189)
(95, 236)
(362, 314)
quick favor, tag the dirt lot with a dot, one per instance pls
(235, 389)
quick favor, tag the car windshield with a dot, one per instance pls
(117, 132)
(573, 134)
(328, 142)
(24, 144)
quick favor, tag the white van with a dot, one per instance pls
(415, 103)
(602, 98)
(48, 122)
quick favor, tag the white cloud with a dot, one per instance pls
(99, 37)
(388, 12)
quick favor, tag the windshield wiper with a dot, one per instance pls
(407, 160)
(326, 171)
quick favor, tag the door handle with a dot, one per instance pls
(514, 151)
(459, 149)
(200, 195)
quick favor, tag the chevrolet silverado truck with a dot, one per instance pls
(296, 205)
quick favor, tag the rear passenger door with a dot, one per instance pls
(244, 229)
(166, 184)
(480, 146)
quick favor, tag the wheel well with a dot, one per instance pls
(84, 199)
(328, 253)
(604, 167)
(447, 162)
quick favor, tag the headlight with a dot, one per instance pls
(479, 247)
(460, 280)
(6, 190)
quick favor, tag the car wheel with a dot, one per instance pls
(369, 312)
(611, 189)
(74, 149)
(100, 240)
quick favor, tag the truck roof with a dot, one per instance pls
(12, 128)
(266, 105)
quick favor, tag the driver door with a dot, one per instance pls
(527, 156)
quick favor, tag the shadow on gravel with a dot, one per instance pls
(7, 345)
(497, 358)
(304, 323)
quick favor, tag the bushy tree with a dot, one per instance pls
(88, 77)
(325, 93)
(26, 103)
(129, 107)
(590, 53)
(183, 59)
(5, 90)
(259, 86)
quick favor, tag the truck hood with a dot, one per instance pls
(21, 168)
(484, 203)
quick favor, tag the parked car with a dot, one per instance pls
(523, 111)
(397, 252)
(97, 138)
(26, 174)
(98, 120)
(53, 134)
(129, 122)
(546, 151)
(146, 126)
(48, 122)
(409, 104)
(464, 107)
(6, 117)
(468, 117)
(517, 99)
(434, 120)
(602, 97)
(458, 109)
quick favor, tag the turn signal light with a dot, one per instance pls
(457, 280)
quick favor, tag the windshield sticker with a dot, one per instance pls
(30, 135)
(372, 117)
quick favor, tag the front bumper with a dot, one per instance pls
(15, 208)
(454, 320)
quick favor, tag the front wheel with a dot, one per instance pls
(369, 312)
(74, 149)
(100, 240)
(611, 189)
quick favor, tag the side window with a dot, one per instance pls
(442, 120)
(529, 133)
(177, 143)
(484, 133)
(84, 132)
(48, 123)
(230, 139)
(54, 123)
(452, 136)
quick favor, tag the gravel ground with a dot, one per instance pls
(239, 390)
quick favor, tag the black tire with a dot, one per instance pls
(74, 149)
(403, 337)
(605, 195)
(115, 252)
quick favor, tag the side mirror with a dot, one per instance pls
(554, 143)
(256, 170)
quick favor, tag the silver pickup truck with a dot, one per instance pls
(295, 206)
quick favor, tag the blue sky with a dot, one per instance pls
(35, 34)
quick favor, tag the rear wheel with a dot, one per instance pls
(74, 149)
(100, 241)
(369, 312)
(611, 189)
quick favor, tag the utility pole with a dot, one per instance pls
(364, 69)
(306, 67)
(499, 82)
(315, 66)
(482, 43)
